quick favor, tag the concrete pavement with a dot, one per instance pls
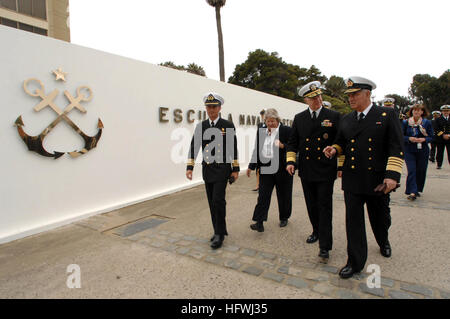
(160, 249)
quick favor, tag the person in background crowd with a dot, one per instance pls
(432, 158)
(443, 135)
(417, 133)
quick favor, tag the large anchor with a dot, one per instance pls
(34, 143)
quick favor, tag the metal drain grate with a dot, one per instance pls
(138, 226)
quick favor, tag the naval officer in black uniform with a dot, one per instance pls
(217, 138)
(435, 115)
(313, 130)
(443, 135)
(371, 139)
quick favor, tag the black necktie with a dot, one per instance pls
(361, 117)
(212, 124)
(314, 115)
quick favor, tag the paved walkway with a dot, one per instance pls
(160, 249)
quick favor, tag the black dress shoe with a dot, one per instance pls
(212, 238)
(312, 238)
(283, 222)
(324, 254)
(386, 250)
(347, 272)
(258, 226)
(217, 242)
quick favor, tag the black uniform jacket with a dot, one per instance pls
(219, 146)
(309, 138)
(258, 159)
(442, 126)
(373, 149)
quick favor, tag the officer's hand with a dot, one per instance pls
(339, 174)
(329, 151)
(279, 144)
(249, 172)
(189, 175)
(235, 175)
(412, 139)
(390, 185)
(290, 169)
(446, 136)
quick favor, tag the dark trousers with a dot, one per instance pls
(380, 220)
(283, 185)
(319, 202)
(217, 204)
(417, 163)
(440, 153)
(433, 151)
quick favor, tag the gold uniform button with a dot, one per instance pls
(401, 153)
(318, 138)
(206, 151)
(318, 158)
(370, 168)
(370, 140)
(353, 166)
(353, 158)
(370, 149)
(318, 148)
(370, 158)
(352, 149)
(307, 157)
(353, 141)
(307, 139)
(307, 148)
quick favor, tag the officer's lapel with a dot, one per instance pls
(368, 120)
(307, 122)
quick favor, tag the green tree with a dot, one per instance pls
(337, 104)
(217, 4)
(195, 69)
(432, 91)
(267, 72)
(191, 68)
(335, 87)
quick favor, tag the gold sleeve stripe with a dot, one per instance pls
(341, 160)
(291, 157)
(440, 133)
(190, 162)
(339, 149)
(235, 163)
(394, 164)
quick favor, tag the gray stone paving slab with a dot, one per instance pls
(268, 256)
(316, 276)
(184, 243)
(183, 250)
(273, 276)
(296, 282)
(157, 244)
(444, 294)
(285, 261)
(196, 254)
(342, 283)
(252, 270)
(248, 252)
(172, 240)
(214, 260)
(323, 288)
(283, 270)
(231, 263)
(387, 282)
(379, 292)
(294, 271)
(139, 226)
(417, 289)
(190, 238)
(346, 294)
(246, 260)
(231, 248)
(330, 269)
(395, 294)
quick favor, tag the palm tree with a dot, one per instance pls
(218, 4)
(195, 69)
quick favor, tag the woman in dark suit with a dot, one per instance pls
(418, 132)
(269, 156)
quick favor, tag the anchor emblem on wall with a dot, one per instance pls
(84, 94)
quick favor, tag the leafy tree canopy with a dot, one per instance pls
(433, 92)
(191, 68)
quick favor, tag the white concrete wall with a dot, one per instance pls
(134, 160)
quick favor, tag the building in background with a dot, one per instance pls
(45, 17)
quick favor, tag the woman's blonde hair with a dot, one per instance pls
(272, 113)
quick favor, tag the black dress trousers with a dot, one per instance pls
(283, 185)
(380, 221)
(319, 203)
(217, 204)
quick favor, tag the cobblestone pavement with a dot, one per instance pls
(317, 277)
